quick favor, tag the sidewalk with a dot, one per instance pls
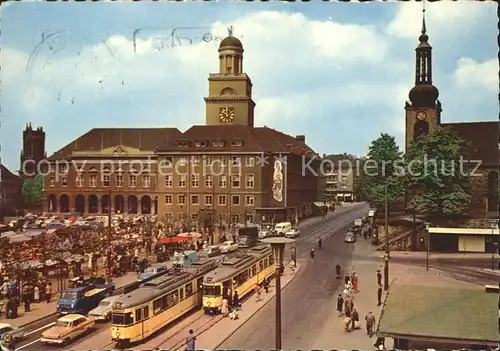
(344, 208)
(435, 255)
(43, 309)
(218, 334)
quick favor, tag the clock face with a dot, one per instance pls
(226, 114)
(421, 116)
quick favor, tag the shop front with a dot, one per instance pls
(464, 239)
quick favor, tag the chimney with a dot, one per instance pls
(301, 138)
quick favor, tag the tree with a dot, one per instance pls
(434, 165)
(383, 167)
(32, 190)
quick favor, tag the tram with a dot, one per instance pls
(158, 302)
(241, 273)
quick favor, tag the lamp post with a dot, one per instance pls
(109, 265)
(427, 246)
(278, 247)
(386, 256)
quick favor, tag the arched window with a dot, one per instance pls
(227, 91)
(420, 129)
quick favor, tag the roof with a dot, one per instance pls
(483, 137)
(7, 174)
(231, 41)
(147, 139)
(440, 313)
(70, 317)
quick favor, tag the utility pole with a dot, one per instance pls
(108, 271)
(386, 257)
(414, 229)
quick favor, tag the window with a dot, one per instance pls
(79, 181)
(209, 161)
(195, 199)
(195, 180)
(249, 161)
(168, 200)
(146, 181)
(52, 181)
(132, 181)
(119, 180)
(250, 180)
(222, 180)
(182, 181)
(195, 160)
(222, 161)
(172, 299)
(63, 169)
(181, 199)
(189, 289)
(249, 200)
(106, 180)
(209, 181)
(235, 180)
(249, 218)
(222, 200)
(145, 312)
(181, 293)
(138, 314)
(254, 271)
(93, 180)
(194, 217)
(209, 200)
(235, 200)
(235, 160)
(182, 161)
(169, 180)
(235, 218)
(64, 181)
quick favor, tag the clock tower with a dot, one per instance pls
(423, 112)
(229, 98)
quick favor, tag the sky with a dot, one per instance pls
(339, 73)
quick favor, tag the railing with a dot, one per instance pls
(401, 237)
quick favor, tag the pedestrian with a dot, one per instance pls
(370, 323)
(257, 292)
(266, 285)
(379, 277)
(379, 295)
(236, 300)
(36, 294)
(347, 279)
(340, 305)
(355, 282)
(347, 307)
(354, 318)
(346, 322)
(338, 270)
(190, 341)
(48, 291)
(225, 308)
(26, 297)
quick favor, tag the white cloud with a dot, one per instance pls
(471, 74)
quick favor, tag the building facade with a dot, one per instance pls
(228, 167)
(339, 177)
(33, 151)
(423, 116)
(10, 192)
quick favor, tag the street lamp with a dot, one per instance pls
(386, 256)
(278, 247)
(427, 247)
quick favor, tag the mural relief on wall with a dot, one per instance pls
(278, 181)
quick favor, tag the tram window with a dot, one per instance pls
(157, 305)
(212, 290)
(181, 293)
(145, 312)
(254, 270)
(265, 263)
(138, 315)
(172, 299)
(164, 301)
(189, 289)
(199, 284)
(261, 266)
(120, 319)
(241, 278)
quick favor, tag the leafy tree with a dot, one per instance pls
(383, 167)
(32, 190)
(434, 165)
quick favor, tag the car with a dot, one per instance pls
(103, 311)
(13, 331)
(292, 233)
(350, 237)
(228, 246)
(264, 234)
(358, 222)
(213, 250)
(151, 271)
(68, 328)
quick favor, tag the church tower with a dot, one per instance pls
(423, 112)
(229, 99)
(33, 150)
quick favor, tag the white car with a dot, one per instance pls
(292, 233)
(103, 311)
(8, 329)
(228, 246)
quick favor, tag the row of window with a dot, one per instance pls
(105, 181)
(209, 181)
(235, 218)
(209, 200)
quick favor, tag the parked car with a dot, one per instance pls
(228, 246)
(264, 234)
(152, 270)
(13, 331)
(350, 237)
(103, 311)
(68, 328)
(358, 222)
(212, 251)
(292, 233)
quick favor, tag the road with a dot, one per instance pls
(311, 231)
(307, 301)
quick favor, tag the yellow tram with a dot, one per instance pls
(156, 303)
(241, 273)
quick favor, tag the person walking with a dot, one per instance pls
(225, 308)
(26, 297)
(338, 271)
(379, 295)
(257, 292)
(48, 292)
(311, 254)
(236, 300)
(355, 282)
(370, 323)
(266, 285)
(36, 294)
(190, 341)
(340, 305)
(354, 318)
(347, 307)
(347, 279)
(379, 277)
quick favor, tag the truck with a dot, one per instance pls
(248, 236)
(83, 298)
